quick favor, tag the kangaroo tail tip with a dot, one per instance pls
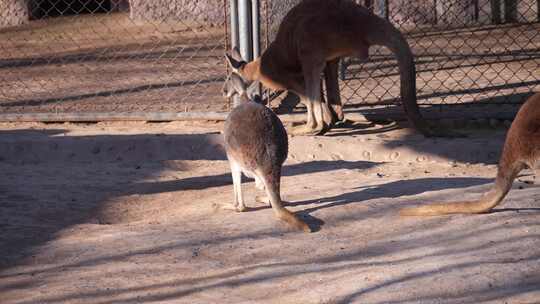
(295, 222)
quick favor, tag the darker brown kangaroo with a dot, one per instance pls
(257, 145)
(313, 36)
(521, 149)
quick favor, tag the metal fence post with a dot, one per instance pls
(234, 23)
(538, 9)
(383, 9)
(256, 32)
(245, 29)
(244, 22)
(235, 42)
(496, 11)
(476, 11)
(256, 28)
(510, 11)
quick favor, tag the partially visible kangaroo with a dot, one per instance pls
(256, 144)
(311, 38)
(521, 149)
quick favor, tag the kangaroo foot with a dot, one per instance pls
(262, 199)
(328, 117)
(306, 130)
(337, 113)
(233, 207)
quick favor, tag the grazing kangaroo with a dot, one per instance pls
(521, 149)
(311, 39)
(256, 144)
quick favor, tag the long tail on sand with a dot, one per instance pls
(507, 172)
(486, 203)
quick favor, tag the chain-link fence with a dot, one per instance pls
(111, 56)
(127, 56)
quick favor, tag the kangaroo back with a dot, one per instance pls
(255, 134)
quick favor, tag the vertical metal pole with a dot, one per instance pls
(234, 23)
(441, 14)
(510, 11)
(244, 22)
(538, 9)
(476, 12)
(256, 32)
(383, 10)
(256, 28)
(495, 11)
(435, 12)
(267, 23)
(235, 40)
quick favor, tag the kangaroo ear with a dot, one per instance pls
(238, 83)
(253, 91)
(233, 63)
(235, 60)
(235, 53)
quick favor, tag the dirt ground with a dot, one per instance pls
(129, 213)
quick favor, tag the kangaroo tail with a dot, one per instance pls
(486, 203)
(505, 176)
(272, 190)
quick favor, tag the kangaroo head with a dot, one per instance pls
(236, 85)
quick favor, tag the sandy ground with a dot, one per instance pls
(129, 213)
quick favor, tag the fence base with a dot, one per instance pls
(463, 111)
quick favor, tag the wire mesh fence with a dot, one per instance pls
(111, 56)
(120, 56)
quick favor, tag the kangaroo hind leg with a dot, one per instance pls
(312, 70)
(238, 203)
(332, 91)
(263, 199)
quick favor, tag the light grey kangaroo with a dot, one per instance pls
(256, 144)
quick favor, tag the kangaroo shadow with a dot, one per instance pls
(224, 179)
(393, 189)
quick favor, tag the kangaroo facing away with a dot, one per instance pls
(310, 40)
(256, 144)
(521, 149)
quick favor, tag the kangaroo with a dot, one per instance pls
(521, 149)
(311, 38)
(256, 144)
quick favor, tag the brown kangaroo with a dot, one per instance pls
(521, 149)
(257, 145)
(311, 39)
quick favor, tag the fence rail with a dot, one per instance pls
(163, 57)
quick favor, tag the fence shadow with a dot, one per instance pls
(124, 162)
(122, 165)
(438, 249)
